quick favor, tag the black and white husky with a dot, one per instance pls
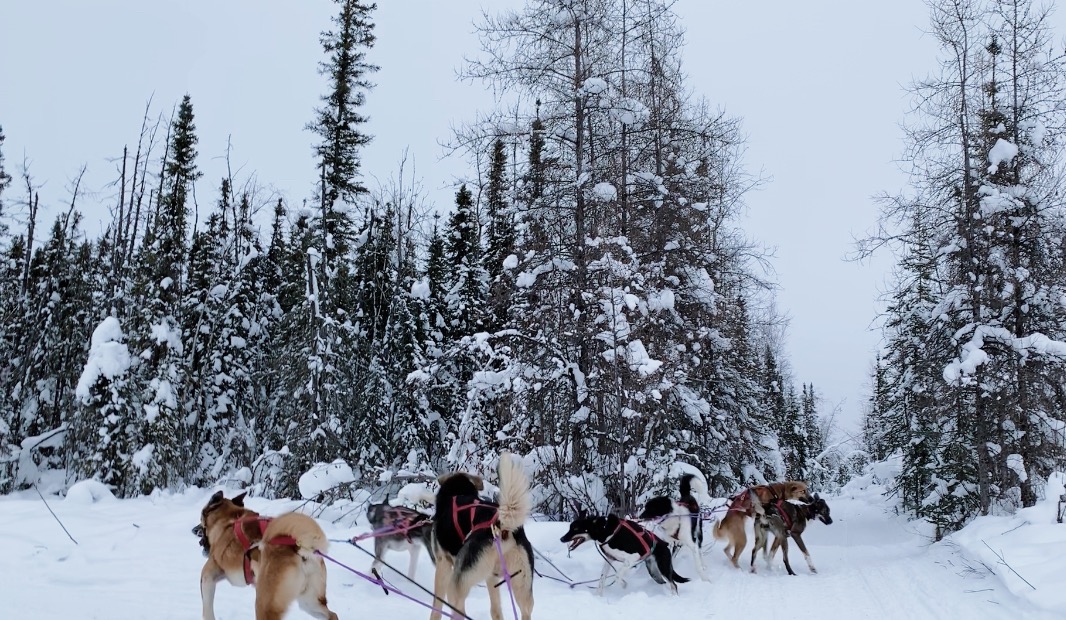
(626, 544)
(679, 520)
(397, 528)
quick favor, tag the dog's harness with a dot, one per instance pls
(476, 512)
(403, 520)
(778, 506)
(249, 545)
(741, 502)
(646, 538)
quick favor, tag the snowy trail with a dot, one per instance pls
(138, 559)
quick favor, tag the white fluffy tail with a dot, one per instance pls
(699, 490)
(515, 504)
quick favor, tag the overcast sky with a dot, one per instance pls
(819, 85)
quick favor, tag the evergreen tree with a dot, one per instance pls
(107, 421)
(158, 338)
(969, 329)
(466, 293)
(501, 236)
(5, 180)
(338, 121)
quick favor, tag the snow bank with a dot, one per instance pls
(323, 477)
(88, 492)
(1024, 550)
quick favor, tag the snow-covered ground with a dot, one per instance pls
(137, 559)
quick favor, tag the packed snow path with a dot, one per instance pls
(137, 559)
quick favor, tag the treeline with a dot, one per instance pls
(589, 301)
(970, 387)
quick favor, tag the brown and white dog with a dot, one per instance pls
(276, 555)
(465, 532)
(746, 504)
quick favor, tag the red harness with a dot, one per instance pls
(784, 514)
(249, 545)
(646, 538)
(472, 508)
(404, 520)
(741, 502)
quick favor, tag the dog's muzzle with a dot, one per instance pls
(577, 541)
(204, 544)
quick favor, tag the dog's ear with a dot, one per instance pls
(239, 500)
(215, 499)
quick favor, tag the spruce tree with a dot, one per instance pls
(157, 328)
(501, 237)
(338, 121)
(5, 180)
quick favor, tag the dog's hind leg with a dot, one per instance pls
(762, 540)
(313, 598)
(440, 586)
(697, 557)
(740, 540)
(522, 591)
(784, 553)
(686, 540)
(495, 608)
(277, 586)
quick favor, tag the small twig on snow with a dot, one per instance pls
(54, 514)
(1004, 563)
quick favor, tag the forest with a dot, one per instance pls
(590, 300)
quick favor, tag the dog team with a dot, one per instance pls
(473, 540)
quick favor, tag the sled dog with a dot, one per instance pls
(748, 503)
(627, 544)
(276, 555)
(463, 540)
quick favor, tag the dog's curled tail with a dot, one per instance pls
(305, 530)
(695, 486)
(515, 504)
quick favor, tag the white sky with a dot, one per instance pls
(818, 83)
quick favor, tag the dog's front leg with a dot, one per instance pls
(412, 564)
(209, 578)
(803, 548)
(603, 577)
(623, 572)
